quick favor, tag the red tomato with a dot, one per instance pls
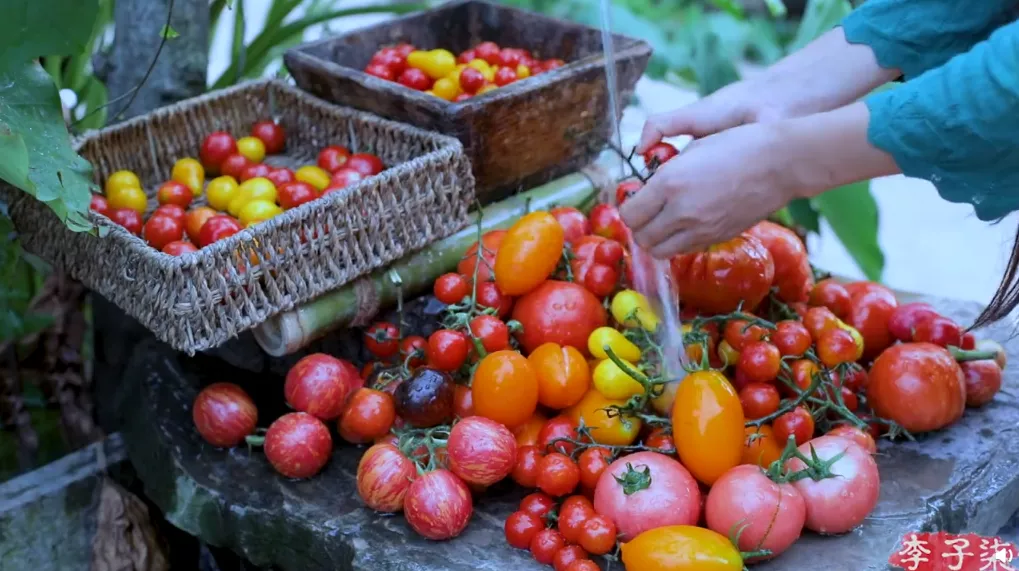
(272, 135)
(99, 205)
(647, 490)
(794, 277)
(538, 504)
(215, 149)
(320, 384)
(939, 331)
(905, 317)
(296, 193)
(342, 179)
(769, 516)
(837, 346)
(719, 278)
(333, 158)
(598, 535)
(488, 295)
(559, 427)
(365, 163)
(505, 76)
(490, 243)
(369, 414)
(381, 71)
(384, 475)
(760, 361)
(224, 414)
(255, 170)
(595, 264)
(234, 165)
(592, 463)
(488, 51)
(382, 339)
(414, 350)
(194, 219)
(463, 402)
(529, 253)
(558, 312)
(505, 388)
(661, 441)
(606, 222)
(447, 349)
(179, 248)
(521, 527)
(575, 224)
(161, 230)
(574, 511)
(491, 331)
(216, 228)
(583, 565)
(451, 288)
(528, 432)
(466, 56)
(558, 475)
(918, 385)
(280, 177)
(796, 423)
(791, 338)
(129, 219)
(545, 544)
(173, 192)
(171, 210)
(838, 504)
(481, 451)
(626, 189)
(833, 295)
(870, 313)
(471, 80)
(298, 445)
(983, 381)
(438, 505)
(525, 471)
(569, 554)
(850, 432)
(659, 154)
(739, 335)
(759, 400)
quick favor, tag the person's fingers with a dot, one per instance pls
(663, 225)
(678, 243)
(644, 205)
(698, 119)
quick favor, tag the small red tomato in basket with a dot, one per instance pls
(129, 219)
(173, 192)
(218, 228)
(161, 230)
(179, 248)
(333, 158)
(343, 178)
(224, 414)
(365, 163)
(505, 76)
(298, 445)
(272, 135)
(471, 80)
(281, 176)
(391, 59)
(234, 165)
(171, 210)
(415, 79)
(99, 205)
(380, 71)
(255, 170)
(488, 51)
(194, 219)
(296, 193)
(215, 149)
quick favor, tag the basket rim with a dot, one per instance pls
(627, 48)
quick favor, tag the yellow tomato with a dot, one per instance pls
(631, 309)
(523, 71)
(221, 191)
(455, 75)
(728, 354)
(857, 338)
(313, 175)
(435, 63)
(486, 70)
(608, 337)
(191, 173)
(681, 548)
(430, 92)
(446, 88)
(252, 148)
(122, 179)
(614, 431)
(256, 211)
(663, 402)
(257, 188)
(707, 425)
(130, 197)
(486, 88)
(613, 382)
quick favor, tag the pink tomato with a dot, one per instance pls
(481, 451)
(839, 503)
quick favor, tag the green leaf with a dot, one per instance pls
(36, 28)
(852, 213)
(728, 6)
(168, 32)
(13, 157)
(819, 17)
(804, 214)
(712, 68)
(776, 8)
(31, 109)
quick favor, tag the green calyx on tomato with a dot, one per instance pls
(814, 468)
(633, 480)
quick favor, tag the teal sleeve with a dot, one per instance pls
(917, 35)
(958, 125)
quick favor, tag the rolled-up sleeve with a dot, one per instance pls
(914, 36)
(958, 125)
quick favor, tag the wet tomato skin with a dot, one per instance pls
(938, 330)
(849, 432)
(575, 224)
(298, 445)
(426, 398)
(566, 556)
(760, 448)
(759, 400)
(529, 253)
(545, 544)
(384, 475)
(833, 295)
(870, 313)
(794, 277)
(983, 381)
(681, 548)
(521, 527)
(525, 470)
(558, 312)
(320, 384)
(505, 388)
(718, 279)
(841, 503)
(917, 385)
(707, 421)
(438, 505)
(224, 414)
(368, 415)
(905, 317)
(797, 423)
(481, 451)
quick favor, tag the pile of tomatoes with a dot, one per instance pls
(549, 371)
(473, 72)
(193, 214)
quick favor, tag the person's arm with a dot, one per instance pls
(913, 36)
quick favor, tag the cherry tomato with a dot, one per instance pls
(527, 433)
(294, 194)
(161, 230)
(215, 149)
(280, 177)
(471, 80)
(481, 451)
(491, 331)
(760, 361)
(129, 219)
(575, 224)
(969, 341)
(558, 312)
(791, 338)
(558, 475)
(592, 463)
(521, 527)
(342, 179)
(490, 243)
(382, 339)
(251, 147)
(803, 371)
(595, 264)
(571, 553)
(333, 158)
(368, 415)
(320, 384)
(794, 277)
(850, 432)
(760, 447)
(218, 228)
(438, 505)
(870, 314)
(606, 222)
(938, 330)
(833, 295)
(179, 248)
(895, 390)
(173, 192)
(707, 421)
(818, 320)
(538, 504)
(190, 172)
(717, 280)
(583, 565)
(529, 253)
(796, 423)
(128, 197)
(384, 475)
(488, 295)
(836, 346)
(525, 470)
(612, 431)
(365, 163)
(563, 375)
(681, 548)
(659, 154)
(556, 428)
(234, 166)
(574, 511)
(224, 414)
(983, 381)
(598, 535)
(463, 402)
(451, 288)
(99, 205)
(505, 388)
(545, 544)
(415, 347)
(505, 76)
(194, 219)
(738, 334)
(488, 51)
(661, 441)
(298, 445)
(626, 189)
(759, 400)
(272, 135)
(447, 349)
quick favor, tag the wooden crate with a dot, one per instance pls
(518, 136)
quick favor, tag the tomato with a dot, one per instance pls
(527, 433)
(529, 253)
(837, 346)
(606, 222)
(768, 516)
(320, 384)
(728, 354)
(646, 490)
(719, 278)
(760, 447)
(173, 192)
(252, 148)
(224, 414)
(380, 71)
(255, 170)
(598, 535)
(295, 193)
(490, 243)
(760, 361)
(592, 463)
(558, 312)
(832, 295)
(938, 330)
(129, 219)
(791, 338)
(738, 333)
(171, 210)
(632, 309)
(818, 320)
(481, 451)
(365, 163)
(415, 79)
(447, 349)
(869, 315)
(759, 400)
(906, 316)
(382, 339)
(607, 337)
(563, 375)
(491, 331)
(463, 402)
(595, 264)
(234, 166)
(538, 504)
(179, 248)
(521, 527)
(438, 505)
(854, 434)
(426, 398)
(130, 197)
(969, 341)
(161, 230)
(855, 379)
(256, 211)
(558, 475)
(505, 76)
(195, 219)
(451, 288)
(384, 475)
(796, 423)
(99, 205)
(840, 503)
(659, 154)
(612, 431)
(571, 553)
(525, 470)
(505, 388)
(121, 179)
(583, 565)
(271, 133)
(614, 383)
(574, 511)
(488, 295)
(681, 548)
(558, 427)
(626, 189)
(917, 385)
(983, 381)
(342, 179)
(280, 177)
(661, 441)
(190, 172)
(298, 445)
(575, 224)
(368, 415)
(707, 421)
(333, 158)
(794, 277)
(545, 544)
(471, 80)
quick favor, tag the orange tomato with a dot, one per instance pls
(707, 424)
(505, 388)
(195, 219)
(529, 253)
(681, 548)
(563, 375)
(527, 433)
(614, 431)
(763, 449)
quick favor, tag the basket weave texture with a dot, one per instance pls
(198, 301)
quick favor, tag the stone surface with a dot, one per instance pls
(961, 479)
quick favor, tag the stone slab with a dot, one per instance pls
(965, 478)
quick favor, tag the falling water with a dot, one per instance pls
(659, 288)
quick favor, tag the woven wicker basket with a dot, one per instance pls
(198, 301)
